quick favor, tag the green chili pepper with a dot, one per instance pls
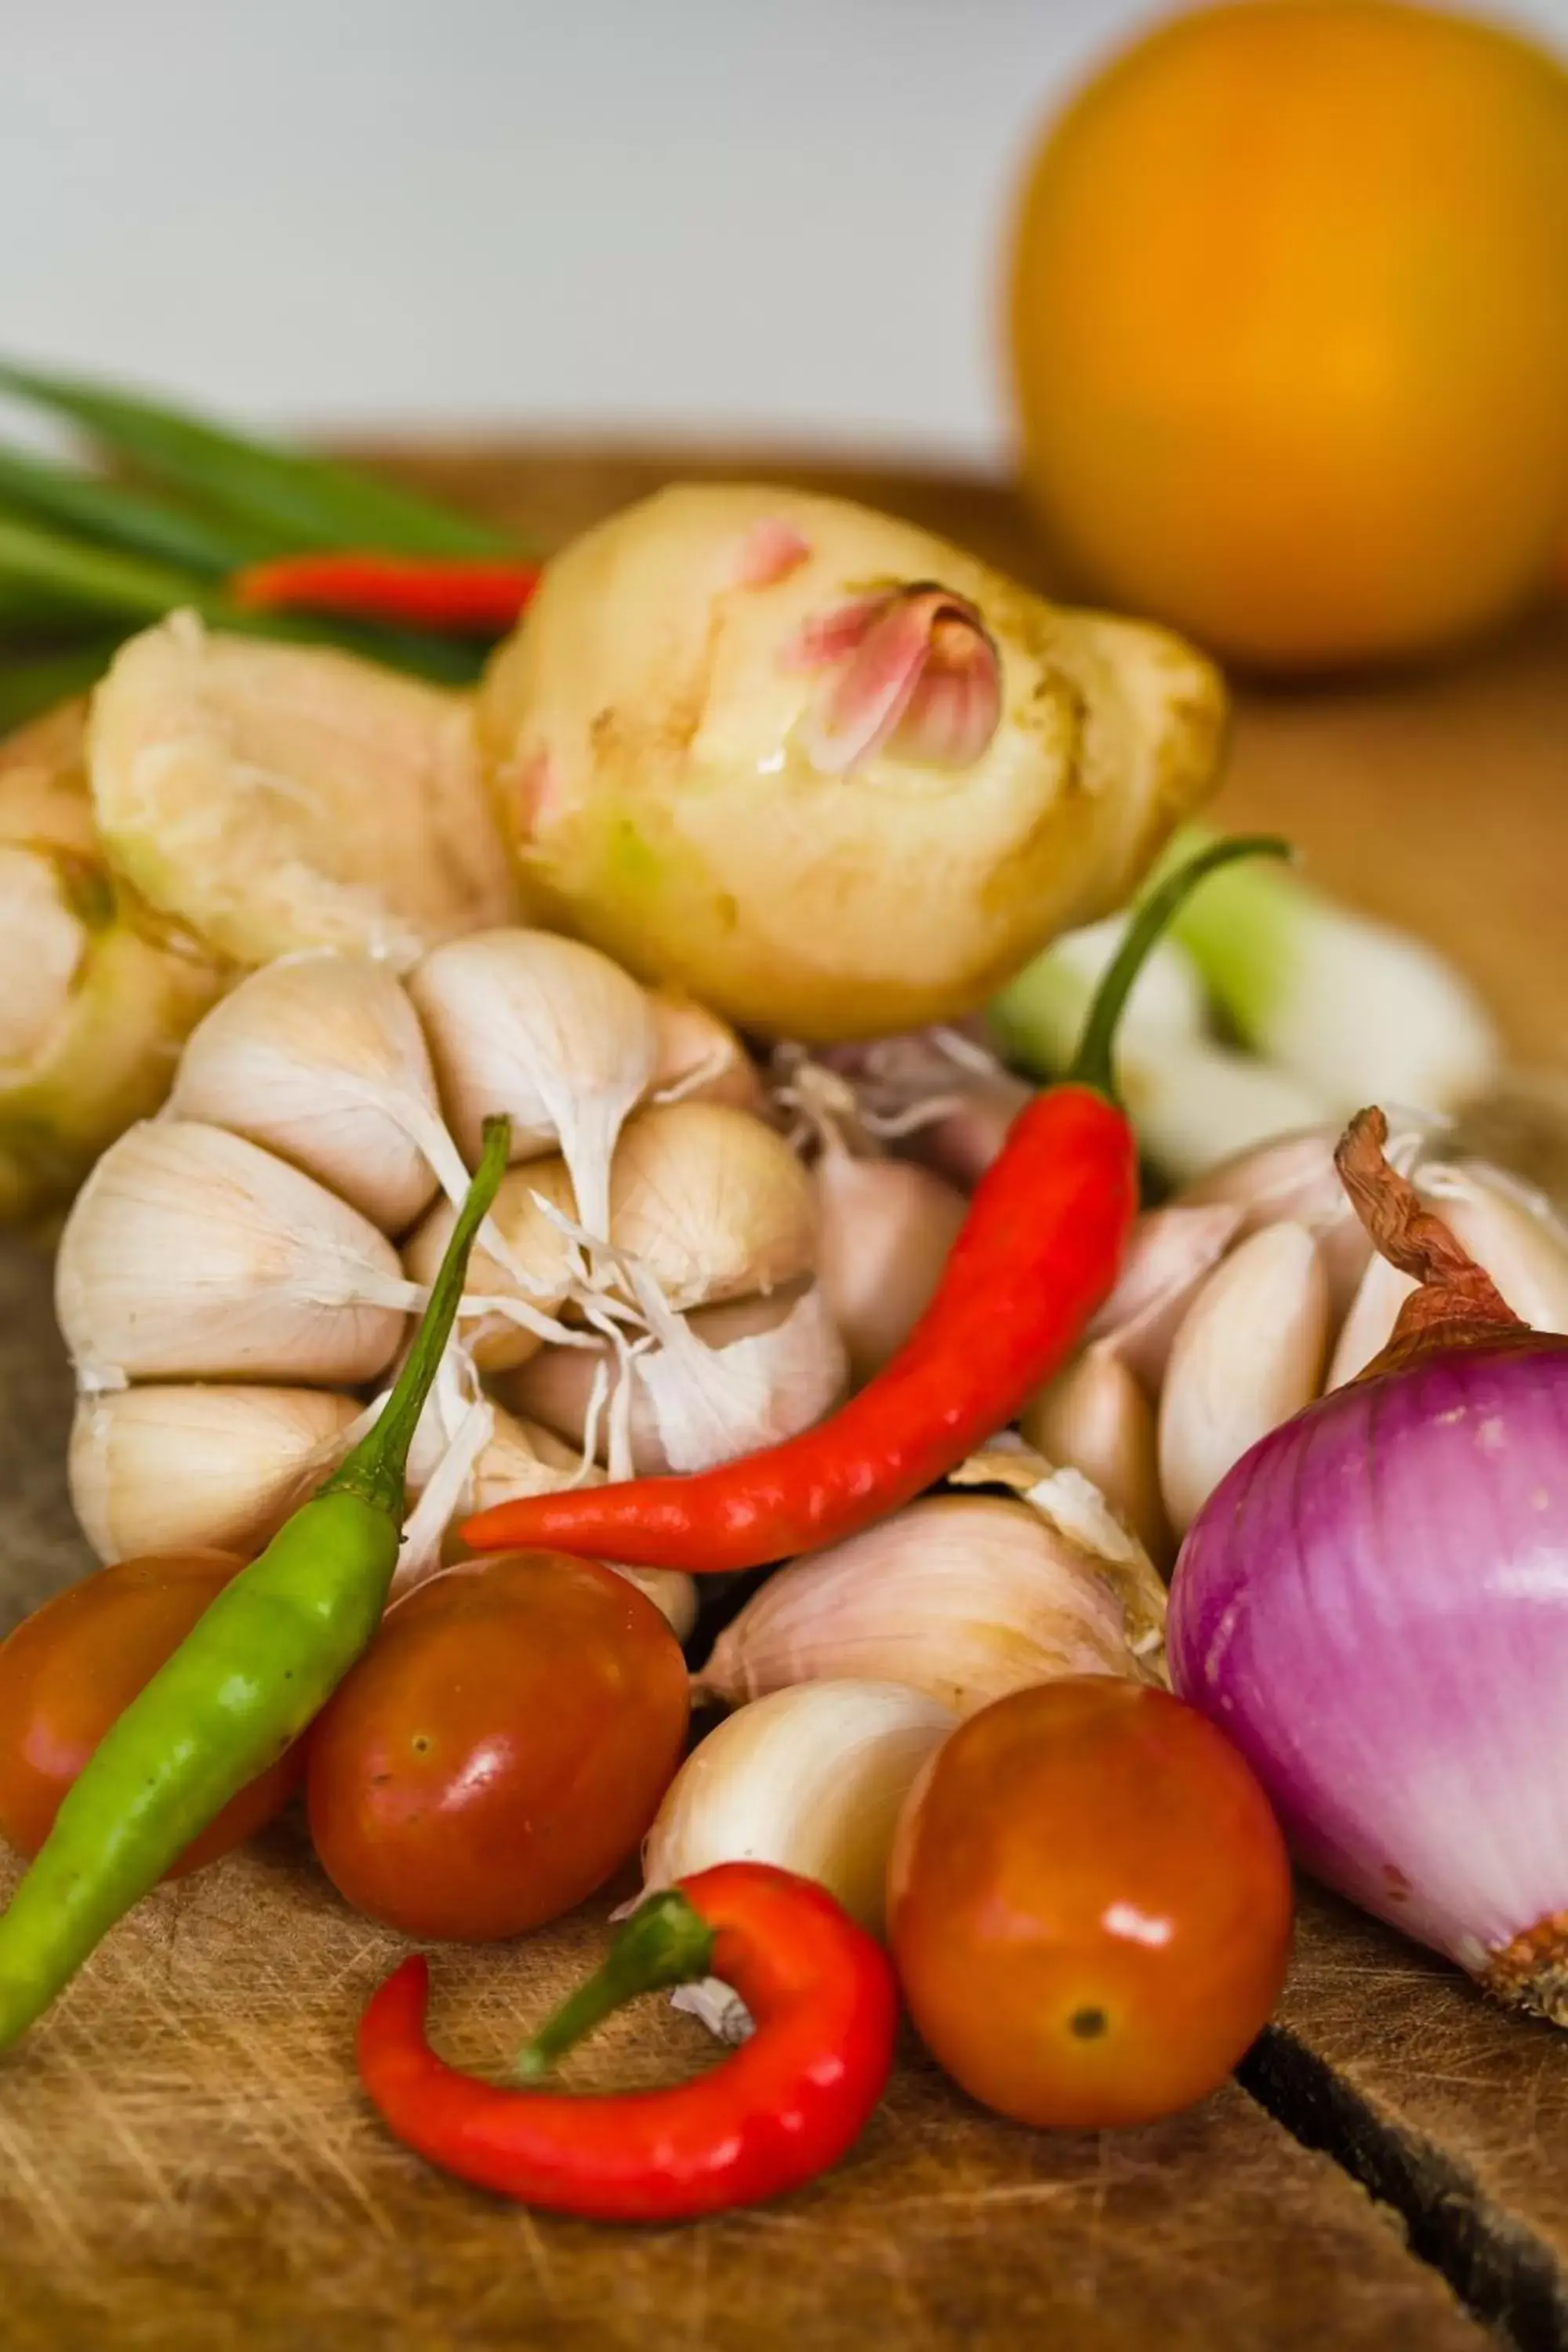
(242, 1686)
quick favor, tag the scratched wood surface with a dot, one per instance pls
(185, 2161)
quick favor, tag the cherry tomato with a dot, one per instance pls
(76, 1663)
(499, 1749)
(1090, 1905)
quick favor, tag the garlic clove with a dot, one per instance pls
(777, 1365)
(1510, 1231)
(1170, 1256)
(505, 1329)
(1294, 1177)
(191, 1253)
(810, 1778)
(169, 1469)
(884, 1231)
(1249, 1353)
(965, 1597)
(1369, 1325)
(712, 1203)
(320, 1057)
(1095, 1418)
(699, 1059)
(271, 797)
(548, 1031)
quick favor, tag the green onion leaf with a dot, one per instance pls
(116, 517)
(300, 503)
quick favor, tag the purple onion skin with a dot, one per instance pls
(1373, 1605)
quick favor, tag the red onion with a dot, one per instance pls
(1373, 1605)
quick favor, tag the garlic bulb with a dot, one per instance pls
(1249, 1353)
(508, 1311)
(965, 1597)
(759, 742)
(175, 1468)
(756, 1370)
(548, 1031)
(713, 1203)
(95, 993)
(191, 1253)
(698, 1058)
(320, 1058)
(271, 797)
(884, 1231)
(811, 1778)
(1095, 1419)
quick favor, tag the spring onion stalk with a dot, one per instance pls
(1358, 1011)
(1193, 1100)
(293, 501)
(119, 517)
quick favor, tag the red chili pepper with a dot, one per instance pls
(1036, 1255)
(458, 595)
(782, 2108)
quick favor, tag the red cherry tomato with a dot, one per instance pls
(499, 1749)
(1090, 1905)
(76, 1663)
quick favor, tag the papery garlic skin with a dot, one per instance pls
(496, 1338)
(1509, 1230)
(776, 1366)
(192, 1466)
(963, 1597)
(271, 797)
(1249, 1355)
(650, 733)
(320, 1058)
(811, 1778)
(191, 1253)
(884, 1231)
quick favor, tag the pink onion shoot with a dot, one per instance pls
(1373, 1605)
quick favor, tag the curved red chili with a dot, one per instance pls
(1038, 1254)
(780, 2109)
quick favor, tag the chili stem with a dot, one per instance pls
(1091, 1065)
(664, 1942)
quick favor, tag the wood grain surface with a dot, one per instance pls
(184, 2160)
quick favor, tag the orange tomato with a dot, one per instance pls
(499, 1749)
(76, 1663)
(1289, 327)
(1089, 1905)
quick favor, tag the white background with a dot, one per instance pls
(747, 216)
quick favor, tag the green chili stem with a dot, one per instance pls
(376, 1468)
(664, 1942)
(1091, 1065)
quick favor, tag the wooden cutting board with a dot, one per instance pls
(186, 2162)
